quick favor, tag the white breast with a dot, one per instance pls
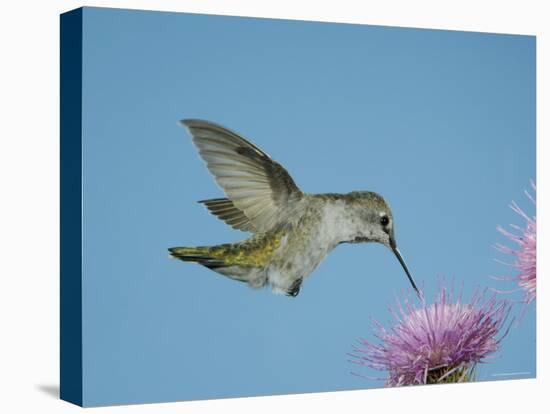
(298, 263)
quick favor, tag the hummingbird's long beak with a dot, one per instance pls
(402, 261)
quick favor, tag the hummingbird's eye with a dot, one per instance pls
(384, 221)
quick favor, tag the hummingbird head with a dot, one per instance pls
(373, 222)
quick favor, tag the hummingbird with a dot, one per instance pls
(291, 231)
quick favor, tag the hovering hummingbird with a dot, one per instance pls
(292, 231)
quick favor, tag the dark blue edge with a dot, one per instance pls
(71, 207)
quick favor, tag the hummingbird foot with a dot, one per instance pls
(294, 288)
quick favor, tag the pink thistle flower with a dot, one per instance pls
(526, 254)
(438, 343)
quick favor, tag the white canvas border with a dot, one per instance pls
(29, 158)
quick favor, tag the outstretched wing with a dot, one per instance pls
(256, 185)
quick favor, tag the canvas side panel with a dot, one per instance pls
(71, 207)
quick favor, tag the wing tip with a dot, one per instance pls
(195, 122)
(206, 201)
(185, 122)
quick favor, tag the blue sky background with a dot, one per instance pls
(440, 123)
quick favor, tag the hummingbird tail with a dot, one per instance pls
(237, 261)
(198, 255)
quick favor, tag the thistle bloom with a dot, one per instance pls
(526, 253)
(437, 343)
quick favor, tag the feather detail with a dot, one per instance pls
(227, 212)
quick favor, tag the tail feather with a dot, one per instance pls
(226, 259)
(198, 255)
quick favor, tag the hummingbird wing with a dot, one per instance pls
(255, 184)
(225, 210)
